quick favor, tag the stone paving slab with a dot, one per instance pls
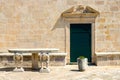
(69, 72)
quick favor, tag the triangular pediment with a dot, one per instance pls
(81, 12)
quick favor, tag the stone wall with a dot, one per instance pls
(30, 23)
(107, 27)
(108, 60)
(38, 24)
(27, 61)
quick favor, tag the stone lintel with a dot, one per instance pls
(80, 20)
(80, 15)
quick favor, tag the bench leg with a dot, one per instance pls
(46, 69)
(47, 62)
(18, 58)
(35, 61)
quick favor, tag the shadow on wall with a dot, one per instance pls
(59, 24)
(59, 34)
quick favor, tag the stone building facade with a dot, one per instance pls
(41, 24)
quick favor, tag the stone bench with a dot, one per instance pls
(108, 58)
(56, 59)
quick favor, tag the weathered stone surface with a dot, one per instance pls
(114, 8)
(69, 72)
(7, 60)
(108, 59)
(99, 2)
(38, 24)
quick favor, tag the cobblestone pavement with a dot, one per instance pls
(68, 72)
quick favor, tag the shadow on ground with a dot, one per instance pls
(75, 70)
(9, 69)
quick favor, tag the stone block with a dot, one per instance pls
(108, 60)
(99, 2)
(101, 20)
(114, 8)
(72, 2)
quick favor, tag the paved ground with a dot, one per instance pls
(68, 72)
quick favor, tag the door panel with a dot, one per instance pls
(80, 41)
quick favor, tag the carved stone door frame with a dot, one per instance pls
(67, 40)
(80, 15)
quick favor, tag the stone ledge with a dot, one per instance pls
(11, 54)
(107, 53)
(108, 58)
(58, 54)
(29, 54)
(6, 54)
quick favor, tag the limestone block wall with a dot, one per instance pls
(38, 24)
(108, 27)
(7, 60)
(108, 60)
(30, 24)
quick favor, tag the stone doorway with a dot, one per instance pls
(80, 15)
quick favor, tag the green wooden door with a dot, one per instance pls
(80, 41)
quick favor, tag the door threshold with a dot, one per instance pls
(75, 63)
(72, 63)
